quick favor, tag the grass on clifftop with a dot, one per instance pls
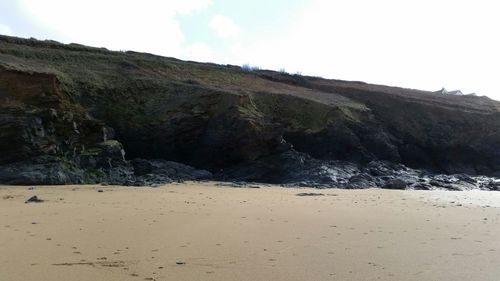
(77, 67)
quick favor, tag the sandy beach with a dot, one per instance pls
(203, 231)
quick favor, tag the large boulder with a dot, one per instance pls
(395, 184)
(41, 170)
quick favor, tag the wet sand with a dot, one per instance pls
(199, 231)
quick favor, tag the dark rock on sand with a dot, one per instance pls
(293, 168)
(362, 180)
(310, 194)
(296, 169)
(157, 172)
(41, 170)
(239, 184)
(395, 184)
(34, 199)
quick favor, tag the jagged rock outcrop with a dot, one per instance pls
(296, 169)
(75, 114)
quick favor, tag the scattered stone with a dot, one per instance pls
(34, 199)
(310, 194)
(238, 184)
(180, 263)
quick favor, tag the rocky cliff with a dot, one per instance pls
(75, 114)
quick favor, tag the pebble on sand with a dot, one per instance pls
(34, 199)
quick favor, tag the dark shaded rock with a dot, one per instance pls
(178, 171)
(295, 169)
(378, 168)
(361, 180)
(455, 182)
(309, 194)
(292, 168)
(53, 171)
(395, 184)
(45, 170)
(494, 185)
(238, 184)
(34, 199)
(142, 167)
(437, 183)
(158, 172)
(466, 178)
(421, 186)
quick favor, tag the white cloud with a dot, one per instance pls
(148, 25)
(199, 52)
(5, 30)
(187, 6)
(423, 44)
(224, 27)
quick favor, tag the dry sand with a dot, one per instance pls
(223, 233)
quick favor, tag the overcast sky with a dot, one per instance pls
(424, 44)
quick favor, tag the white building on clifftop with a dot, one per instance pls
(453, 93)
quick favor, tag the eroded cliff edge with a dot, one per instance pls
(75, 114)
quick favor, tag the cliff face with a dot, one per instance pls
(38, 119)
(94, 110)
